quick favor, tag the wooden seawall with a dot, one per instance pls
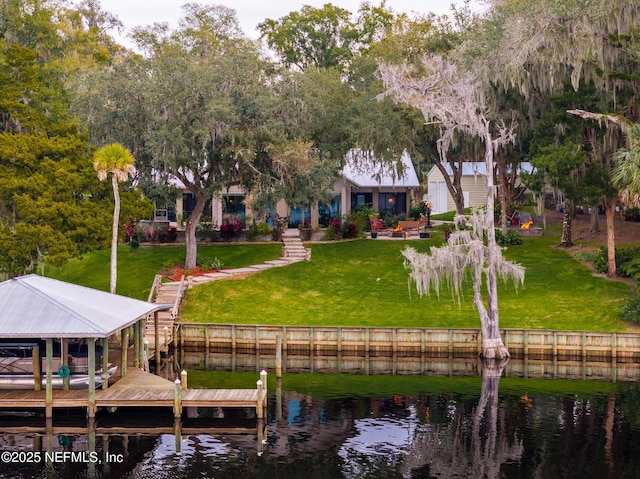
(545, 343)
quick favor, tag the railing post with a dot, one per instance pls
(183, 379)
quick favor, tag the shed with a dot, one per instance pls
(472, 182)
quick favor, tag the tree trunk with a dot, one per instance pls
(454, 186)
(114, 235)
(492, 345)
(503, 211)
(567, 224)
(611, 237)
(191, 241)
(594, 227)
(486, 448)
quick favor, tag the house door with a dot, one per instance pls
(438, 196)
(442, 196)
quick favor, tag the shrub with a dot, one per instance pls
(623, 255)
(230, 230)
(417, 211)
(334, 231)
(207, 263)
(360, 219)
(257, 229)
(630, 309)
(512, 238)
(351, 230)
(278, 231)
(207, 228)
(169, 235)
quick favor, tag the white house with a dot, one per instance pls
(472, 183)
(361, 183)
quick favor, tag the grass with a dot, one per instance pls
(136, 269)
(364, 283)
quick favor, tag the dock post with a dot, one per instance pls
(259, 405)
(156, 333)
(91, 466)
(262, 394)
(64, 358)
(145, 355)
(278, 356)
(263, 378)
(157, 340)
(166, 337)
(183, 379)
(136, 346)
(261, 439)
(124, 347)
(177, 400)
(91, 356)
(37, 368)
(279, 414)
(177, 433)
(105, 363)
(141, 349)
(49, 392)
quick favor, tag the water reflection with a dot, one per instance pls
(352, 426)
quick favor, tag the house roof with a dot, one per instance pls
(36, 307)
(471, 168)
(364, 171)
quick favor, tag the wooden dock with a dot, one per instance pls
(142, 389)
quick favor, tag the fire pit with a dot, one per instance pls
(398, 232)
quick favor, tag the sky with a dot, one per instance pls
(251, 12)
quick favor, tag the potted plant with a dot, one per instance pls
(424, 232)
(376, 224)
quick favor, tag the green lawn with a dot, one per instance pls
(364, 283)
(136, 269)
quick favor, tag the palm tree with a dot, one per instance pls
(117, 160)
(626, 174)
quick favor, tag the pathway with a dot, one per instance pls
(293, 251)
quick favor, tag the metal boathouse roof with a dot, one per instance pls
(36, 307)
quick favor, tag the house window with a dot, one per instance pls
(233, 208)
(164, 212)
(361, 199)
(392, 203)
(188, 204)
(330, 211)
(298, 216)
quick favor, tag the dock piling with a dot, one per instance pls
(259, 405)
(177, 401)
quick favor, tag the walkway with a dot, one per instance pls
(293, 251)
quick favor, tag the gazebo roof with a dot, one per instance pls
(36, 307)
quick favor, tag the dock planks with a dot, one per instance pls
(136, 389)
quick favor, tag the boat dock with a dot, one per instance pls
(141, 389)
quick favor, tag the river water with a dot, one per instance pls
(492, 424)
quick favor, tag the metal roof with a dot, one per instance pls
(472, 168)
(362, 170)
(36, 307)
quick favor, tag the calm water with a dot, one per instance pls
(357, 426)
